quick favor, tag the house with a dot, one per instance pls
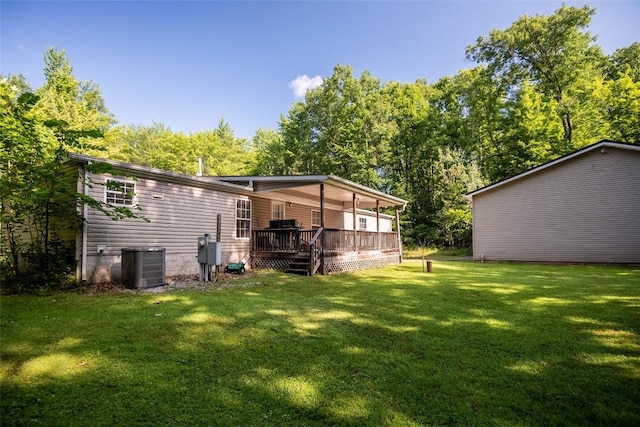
(289, 223)
(582, 207)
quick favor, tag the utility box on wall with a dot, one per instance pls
(209, 253)
(143, 267)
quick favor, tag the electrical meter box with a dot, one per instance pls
(209, 253)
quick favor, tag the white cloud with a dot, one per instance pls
(303, 83)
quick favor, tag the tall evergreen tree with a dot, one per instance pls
(63, 97)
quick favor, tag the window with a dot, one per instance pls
(316, 221)
(277, 210)
(119, 193)
(362, 223)
(243, 219)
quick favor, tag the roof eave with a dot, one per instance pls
(167, 175)
(378, 195)
(291, 181)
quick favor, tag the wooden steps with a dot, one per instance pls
(299, 265)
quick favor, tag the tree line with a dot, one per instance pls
(539, 89)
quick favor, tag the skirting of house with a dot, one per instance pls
(340, 264)
(270, 263)
(332, 264)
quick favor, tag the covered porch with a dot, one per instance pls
(321, 224)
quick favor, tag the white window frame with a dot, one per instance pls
(362, 223)
(319, 223)
(243, 233)
(124, 197)
(277, 208)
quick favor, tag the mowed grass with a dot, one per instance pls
(469, 344)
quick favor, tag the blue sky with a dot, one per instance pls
(189, 64)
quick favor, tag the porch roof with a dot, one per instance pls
(336, 188)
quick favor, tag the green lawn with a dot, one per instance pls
(469, 344)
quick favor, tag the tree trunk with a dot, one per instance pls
(13, 248)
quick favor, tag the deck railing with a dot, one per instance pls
(282, 240)
(335, 241)
(315, 252)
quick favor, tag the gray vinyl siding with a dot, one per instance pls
(177, 215)
(585, 209)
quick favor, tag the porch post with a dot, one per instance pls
(322, 227)
(378, 223)
(355, 224)
(398, 230)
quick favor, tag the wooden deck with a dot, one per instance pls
(325, 250)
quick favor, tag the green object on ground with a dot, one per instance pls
(235, 267)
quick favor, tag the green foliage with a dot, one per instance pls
(526, 134)
(42, 268)
(38, 195)
(271, 155)
(553, 51)
(23, 141)
(541, 89)
(622, 106)
(341, 128)
(456, 176)
(63, 97)
(625, 60)
(159, 147)
(469, 344)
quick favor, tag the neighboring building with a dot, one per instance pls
(274, 222)
(582, 207)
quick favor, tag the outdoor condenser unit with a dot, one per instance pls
(143, 267)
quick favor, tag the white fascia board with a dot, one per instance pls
(345, 184)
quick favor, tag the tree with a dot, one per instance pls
(271, 155)
(622, 107)
(21, 146)
(456, 176)
(530, 134)
(625, 60)
(342, 128)
(63, 97)
(411, 153)
(157, 146)
(38, 197)
(554, 52)
(222, 153)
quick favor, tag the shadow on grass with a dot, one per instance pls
(475, 344)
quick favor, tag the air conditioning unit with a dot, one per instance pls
(143, 267)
